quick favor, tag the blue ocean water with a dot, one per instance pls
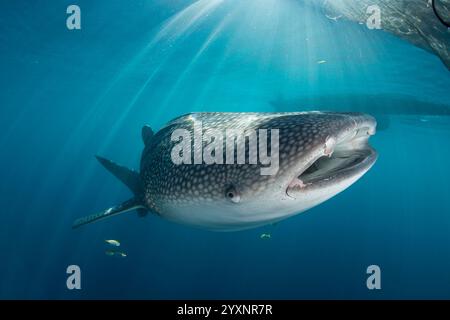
(67, 95)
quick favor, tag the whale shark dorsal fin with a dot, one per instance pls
(131, 204)
(147, 134)
(129, 177)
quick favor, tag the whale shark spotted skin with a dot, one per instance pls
(320, 154)
(413, 20)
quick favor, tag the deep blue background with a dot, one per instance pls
(68, 95)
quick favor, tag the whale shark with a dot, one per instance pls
(424, 23)
(319, 154)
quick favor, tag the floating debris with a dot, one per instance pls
(113, 242)
(265, 236)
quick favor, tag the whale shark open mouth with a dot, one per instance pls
(341, 162)
(348, 158)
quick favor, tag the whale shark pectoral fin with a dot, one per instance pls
(128, 205)
(132, 180)
(147, 134)
(129, 177)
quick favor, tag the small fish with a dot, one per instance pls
(113, 242)
(109, 252)
(115, 253)
(336, 18)
(266, 236)
(321, 61)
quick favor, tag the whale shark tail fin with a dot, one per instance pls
(132, 180)
(128, 205)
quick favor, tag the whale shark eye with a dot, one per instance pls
(232, 194)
